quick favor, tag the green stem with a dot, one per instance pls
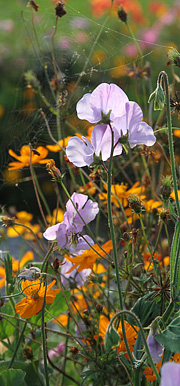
(40, 193)
(138, 323)
(17, 346)
(44, 338)
(47, 257)
(148, 246)
(170, 136)
(110, 221)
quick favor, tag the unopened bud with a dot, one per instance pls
(99, 308)
(166, 188)
(122, 14)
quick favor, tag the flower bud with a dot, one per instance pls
(60, 11)
(174, 56)
(122, 14)
(135, 204)
(99, 308)
(28, 353)
(166, 188)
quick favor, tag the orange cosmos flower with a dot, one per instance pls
(33, 302)
(131, 333)
(149, 373)
(88, 258)
(16, 266)
(38, 157)
(90, 187)
(62, 143)
(148, 265)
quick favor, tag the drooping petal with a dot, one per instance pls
(156, 349)
(170, 374)
(84, 110)
(51, 232)
(62, 236)
(81, 246)
(143, 135)
(101, 140)
(139, 133)
(80, 152)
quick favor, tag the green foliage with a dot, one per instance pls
(170, 337)
(12, 377)
(112, 339)
(33, 377)
(146, 309)
(6, 328)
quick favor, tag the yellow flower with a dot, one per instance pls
(24, 218)
(88, 258)
(33, 302)
(57, 216)
(16, 266)
(38, 157)
(62, 143)
(120, 191)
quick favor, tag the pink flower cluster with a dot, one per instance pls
(110, 109)
(79, 210)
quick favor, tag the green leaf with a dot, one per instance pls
(173, 214)
(145, 309)
(56, 308)
(12, 377)
(8, 268)
(170, 337)
(112, 339)
(32, 377)
(6, 329)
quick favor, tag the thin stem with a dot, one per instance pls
(17, 346)
(170, 136)
(44, 338)
(110, 221)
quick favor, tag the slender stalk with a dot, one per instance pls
(40, 193)
(110, 221)
(47, 257)
(170, 136)
(17, 346)
(44, 338)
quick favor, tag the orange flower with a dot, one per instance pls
(131, 333)
(88, 258)
(16, 266)
(33, 302)
(148, 265)
(90, 187)
(149, 373)
(62, 143)
(24, 157)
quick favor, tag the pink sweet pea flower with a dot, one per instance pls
(106, 100)
(139, 133)
(156, 349)
(67, 231)
(81, 151)
(170, 374)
